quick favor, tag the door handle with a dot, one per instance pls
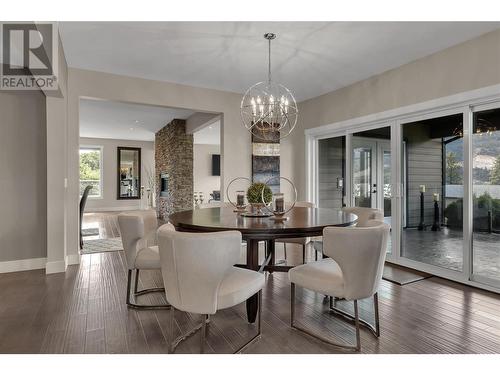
(374, 188)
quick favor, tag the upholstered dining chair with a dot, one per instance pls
(199, 276)
(138, 233)
(364, 214)
(83, 203)
(304, 241)
(227, 205)
(352, 272)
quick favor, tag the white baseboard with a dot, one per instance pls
(23, 265)
(55, 267)
(72, 259)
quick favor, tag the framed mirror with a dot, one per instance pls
(129, 173)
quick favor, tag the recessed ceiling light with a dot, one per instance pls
(210, 127)
(136, 121)
(131, 128)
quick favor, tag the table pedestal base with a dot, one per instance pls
(252, 303)
(252, 264)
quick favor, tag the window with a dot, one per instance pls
(91, 170)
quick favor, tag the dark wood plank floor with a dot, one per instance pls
(83, 311)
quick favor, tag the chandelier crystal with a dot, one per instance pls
(268, 109)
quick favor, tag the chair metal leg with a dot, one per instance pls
(175, 342)
(170, 336)
(375, 330)
(356, 322)
(136, 283)
(316, 336)
(316, 256)
(284, 249)
(136, 306)
(259, 325)
(203, 332)
(304, 254)
(377, 319)
(172, 344)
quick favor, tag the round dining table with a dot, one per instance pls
(301, 222)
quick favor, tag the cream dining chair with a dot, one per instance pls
(200, 277)
(352, 272)
(303, 241)
(364, 214)
(138, 233)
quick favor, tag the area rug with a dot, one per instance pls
(90, 232)
(102, 245)
(402, 275)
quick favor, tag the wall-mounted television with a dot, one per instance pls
(215, 165)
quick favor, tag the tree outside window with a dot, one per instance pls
(495, 172)
(454, 169)
(90, 170)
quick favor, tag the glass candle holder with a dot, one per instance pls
(279, 203)
(240, 199)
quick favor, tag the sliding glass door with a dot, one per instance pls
(437, 182)
(385, 182)
(331, 172)
(486, 194)
(432, 232)
(364, 185)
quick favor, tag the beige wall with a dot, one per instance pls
(202, 170)
(108, 201)
(235, 140)
(467, 66)
(23, 179)
(33, 152)
(199, 120)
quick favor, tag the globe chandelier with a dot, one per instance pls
(268, 109)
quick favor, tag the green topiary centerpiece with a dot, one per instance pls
(254, 193)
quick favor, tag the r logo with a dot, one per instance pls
(27, 49)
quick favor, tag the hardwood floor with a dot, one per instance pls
(105, 222)
(83, 311)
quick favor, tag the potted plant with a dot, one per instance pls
(254, 196)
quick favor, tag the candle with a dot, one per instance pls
(422, 188)
(436, 197)
(279, 204)
(261, 106)
(240, 198)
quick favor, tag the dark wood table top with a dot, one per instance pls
(302, 222)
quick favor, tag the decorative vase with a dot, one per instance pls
(257, 208)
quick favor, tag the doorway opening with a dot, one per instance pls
(207, 166)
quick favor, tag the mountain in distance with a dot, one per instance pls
(485, 148)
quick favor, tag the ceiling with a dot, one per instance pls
(106, 119)
(310, 58)
(209, 135)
